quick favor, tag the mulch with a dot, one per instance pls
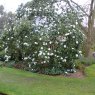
(77, 74)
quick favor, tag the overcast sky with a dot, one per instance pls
(11, 5)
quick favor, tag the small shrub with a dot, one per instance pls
(79, 65)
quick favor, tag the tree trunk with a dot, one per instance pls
(88, 43)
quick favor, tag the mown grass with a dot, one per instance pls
(17, 82)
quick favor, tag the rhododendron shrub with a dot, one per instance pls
(45, 37)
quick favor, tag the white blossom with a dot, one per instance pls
(35, 63)
(44, 62)
(43, 53)
(25, 36)
(42, 48)
(61, 58)
(77, 42)
(7, 57)
(54, 50)
(49, 49)
(44, 43)
(57, 56)
(66, 72)
(46, 57)
(32, 69)
(72, 48)
(40, 53)
(36, 43)
(50, 42)
(80, 52)
(67, 34)
(40, 39)
(25, 58)
(48, 53)
(77, 55)
(33, 59)
(73, 37)
(64, 60)
(64, 46)
(51, 54)
(26, 44)
(58, 32)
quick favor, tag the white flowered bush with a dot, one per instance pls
(54, 54)
(47, 41)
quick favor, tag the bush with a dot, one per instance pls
(80, 66)
(49, 41)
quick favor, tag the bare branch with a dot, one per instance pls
(79, 7)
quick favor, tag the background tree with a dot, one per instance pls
(89, 29)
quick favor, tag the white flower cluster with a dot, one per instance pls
(69, 33)
(36, 43)
(49, 49)
(40, 39)
(26, 37)
(63, 60)
(73, 37)
(65, 46)
(50, 42)
(77, 42)
(8, 38)
(77, 55)
(44, 43)
(25, 58)
(40, 53)
(7, 58)
(26, 44)
(80, 52)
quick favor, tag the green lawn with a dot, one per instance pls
(17, 82)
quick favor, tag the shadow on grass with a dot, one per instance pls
(3, 93)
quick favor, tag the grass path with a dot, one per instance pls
(17, 82)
